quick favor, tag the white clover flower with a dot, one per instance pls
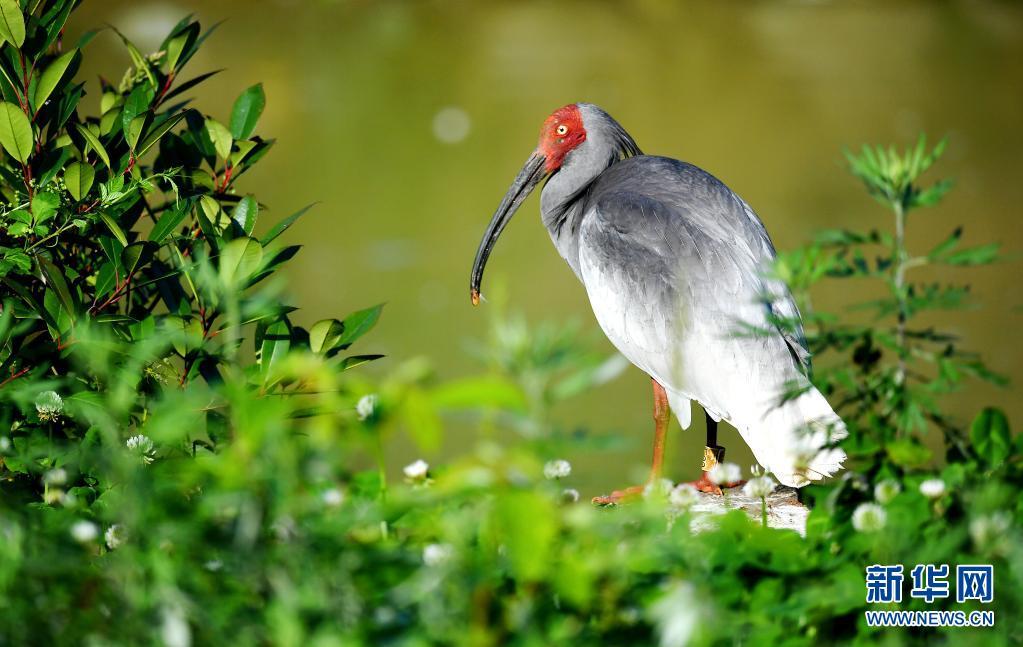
(869, 517)
(416, 471)
(366, 405)
(333, 497)
(49, 405)
(557, 469)
(724, 473)
(570, 495)
(886, 490)
(143, 446)
(84, 531)
(53, 495)
(932, 488)
(5, 444)
(658, 486)
(759, 487)
(115, 536)
(437, 554)
(677, 615)
(683, 496)
(990, 530)
(175, 630)
(56, 476)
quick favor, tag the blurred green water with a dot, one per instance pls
(407, 121)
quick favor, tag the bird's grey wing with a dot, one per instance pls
(777, 294)
(671, 292)
(696, 199)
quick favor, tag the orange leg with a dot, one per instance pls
(662, 416)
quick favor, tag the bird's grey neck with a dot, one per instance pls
(562, 210)
(564, 201)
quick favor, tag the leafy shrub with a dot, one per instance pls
(162, 483)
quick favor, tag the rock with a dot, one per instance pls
(783, 509)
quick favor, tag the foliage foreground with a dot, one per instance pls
(183, 464)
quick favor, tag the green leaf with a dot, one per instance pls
(358, 324)
(947, 245)
(51, 76)
(114, 228)
(133, 254)
(525, 524)
(356, 360)
(283, 225)
(15, 259)
(44, 206)
(136, 107)
(212, 209)
(991, 437)
(105, 279)
(324, 335)
(908, 452)
(78, 178)
(243, 147)
(134, 130)
(12, 23)
(275, 344)
(94, 142)
(981, 255)
(169, 221)
(245, 213)
(189, 84)
(55, 280)
(239, 259)
(247, 109)
(220, 137)
(15, 132)
(207, 227)
(137, 103)
(154, 135)
(184, 40)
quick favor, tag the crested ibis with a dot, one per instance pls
(676, 267)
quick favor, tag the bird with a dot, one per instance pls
(677, 270)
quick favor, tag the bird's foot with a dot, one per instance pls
(620, 496)
(704, 484)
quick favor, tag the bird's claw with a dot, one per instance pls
(619, 496)
(704, 484)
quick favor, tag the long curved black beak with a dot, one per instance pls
(532, 172)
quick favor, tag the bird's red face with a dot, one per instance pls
(561, 133)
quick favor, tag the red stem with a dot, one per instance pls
(15, 376)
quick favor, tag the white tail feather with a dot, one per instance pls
(794, 441)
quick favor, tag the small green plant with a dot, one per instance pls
(129, 264)
(894, 371)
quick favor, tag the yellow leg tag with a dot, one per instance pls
(712, 456)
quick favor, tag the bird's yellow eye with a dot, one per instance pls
(562, 130)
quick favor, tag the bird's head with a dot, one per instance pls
(565, 135)
(562, 132)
